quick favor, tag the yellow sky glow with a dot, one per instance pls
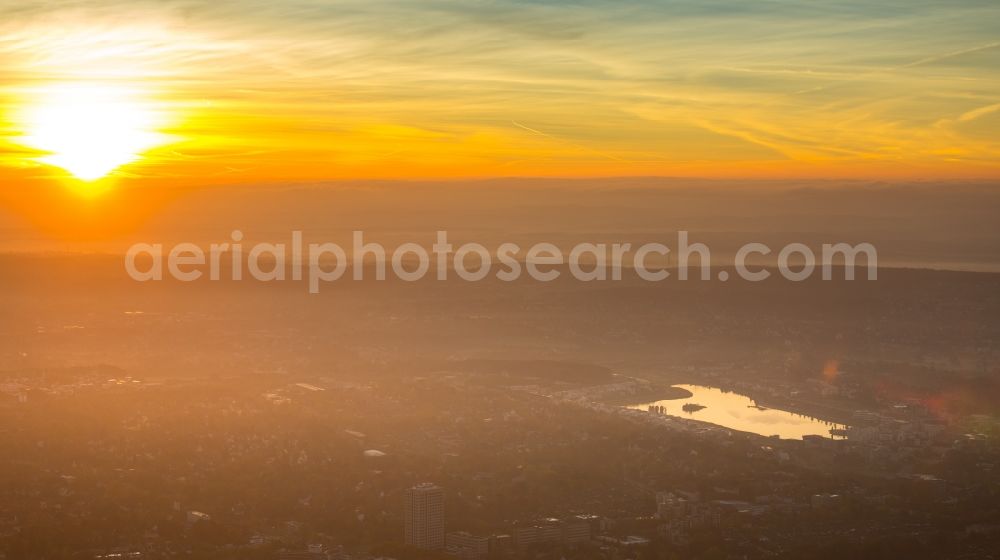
(306, 91)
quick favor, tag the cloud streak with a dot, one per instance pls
(312, 90)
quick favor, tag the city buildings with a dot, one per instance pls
(467, 546)
(568, 532)
(424, 517)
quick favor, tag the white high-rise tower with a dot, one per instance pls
(424, 526)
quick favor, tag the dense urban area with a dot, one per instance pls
(479, 421)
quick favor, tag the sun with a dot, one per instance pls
(90, 130)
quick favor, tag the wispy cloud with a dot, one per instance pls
(600, 87)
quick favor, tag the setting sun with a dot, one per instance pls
(91, 130)
(499, 279)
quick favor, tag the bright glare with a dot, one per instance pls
(91, 130)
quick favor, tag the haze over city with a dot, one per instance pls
(638, 280)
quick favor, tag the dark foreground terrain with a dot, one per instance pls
(224, 420)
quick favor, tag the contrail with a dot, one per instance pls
(577, 146)
(891, 69)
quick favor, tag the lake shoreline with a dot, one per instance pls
(736, 411)
(652, 395)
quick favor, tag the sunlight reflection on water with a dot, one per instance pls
(740, 412)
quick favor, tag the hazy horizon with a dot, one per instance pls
(946, 225)
(499, 279)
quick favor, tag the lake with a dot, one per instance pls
(740, 412)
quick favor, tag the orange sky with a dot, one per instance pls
(257, 92)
